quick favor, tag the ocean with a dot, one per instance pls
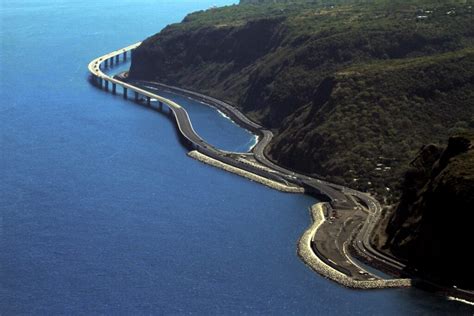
(102, 212)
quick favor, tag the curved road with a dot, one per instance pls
(340, 197)
(322, 188)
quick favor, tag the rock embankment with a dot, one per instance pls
(251, 176)
(318, 265)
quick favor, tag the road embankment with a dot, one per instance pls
(257, 168)
(310, 258)
(243, 173)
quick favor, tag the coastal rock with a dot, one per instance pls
(431, 227)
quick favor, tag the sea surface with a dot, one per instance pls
(102, 212)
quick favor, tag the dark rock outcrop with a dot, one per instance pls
(431, 228)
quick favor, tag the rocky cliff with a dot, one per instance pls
(351, 90)
(431, 227)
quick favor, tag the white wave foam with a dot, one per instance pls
(451, 298)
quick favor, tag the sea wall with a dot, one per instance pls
(317, 264)
(246, 174)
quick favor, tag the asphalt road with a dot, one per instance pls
(339, 196)
(334, 195)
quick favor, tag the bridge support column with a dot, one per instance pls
(106, 63)
(125, 93)
(100, 83)
(124, 56)
(106, 85)
(111, 61)
(114, 88)
(148, 101)
(117, 59)
(161, 106)
(136, 96)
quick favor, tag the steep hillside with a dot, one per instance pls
(431, 227)
(366, 122)
(315, 72)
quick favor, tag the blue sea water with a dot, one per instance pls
(102, 212)
(210, 125)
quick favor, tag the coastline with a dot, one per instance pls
(243, 173)
(321, 266)
(339, 197)
(309, 257)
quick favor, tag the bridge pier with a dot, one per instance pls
(124, 56)
(106, 85)
(148, 101)
(125, 96)
(117, 59)
(106, 63)
(111, 61)
(161, 106)
(114, 88)
(100, 83)
(136, 96)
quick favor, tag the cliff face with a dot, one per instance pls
(240, 63)
(431, 227)
(351, 91)
(213, 59)
(365, 123)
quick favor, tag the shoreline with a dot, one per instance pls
(341, 199)
(311, 259)
(321, 267)
(243, 173)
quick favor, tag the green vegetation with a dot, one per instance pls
(307, 17)
(378, 115)
(352, 89)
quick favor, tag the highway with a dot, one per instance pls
(184, 123)
(340, 197)
(322, 188)
(336, 194)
